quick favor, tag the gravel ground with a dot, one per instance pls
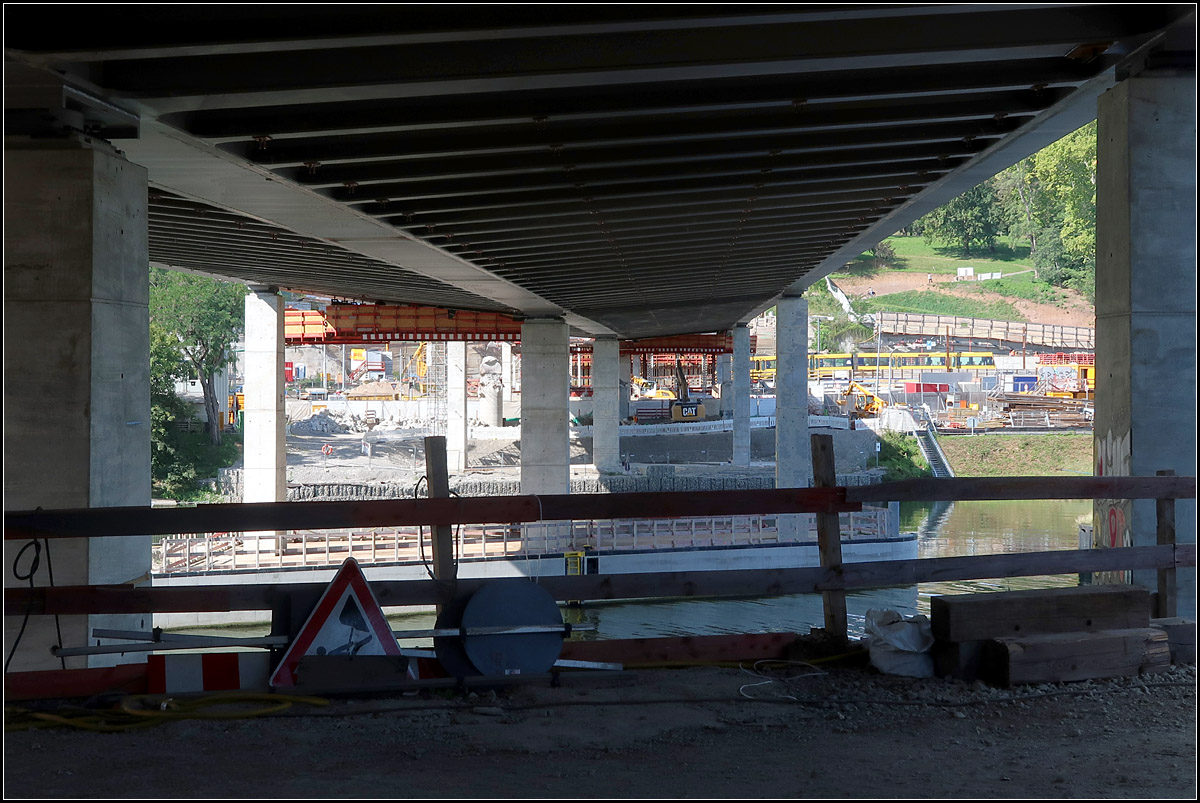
(784, 731)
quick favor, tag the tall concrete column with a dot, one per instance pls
(76, 375)
(1146, 305)
(625, 361)
(725, 383)
(741, 395)
(456, 406)
(793, 450)
(507, 375)
(545, 397)
(264, 444)
(606, 405)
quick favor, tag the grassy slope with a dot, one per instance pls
(1019, 455)
(927, 303)
(914, 255)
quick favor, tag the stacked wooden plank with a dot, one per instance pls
(1027, 409)
(1047, 636)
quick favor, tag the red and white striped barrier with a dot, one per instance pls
(181, 673)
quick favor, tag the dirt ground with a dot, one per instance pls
(1076, 312)
(795, 731)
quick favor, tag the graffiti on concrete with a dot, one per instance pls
(1112, 518)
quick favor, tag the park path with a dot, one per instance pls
(1077, 311)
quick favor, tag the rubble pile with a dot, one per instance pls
(321, 423)
(336, 422)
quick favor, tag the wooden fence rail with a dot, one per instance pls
(120, 521)
(313, 515)
(753, 582)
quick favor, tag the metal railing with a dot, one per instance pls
(261, 551)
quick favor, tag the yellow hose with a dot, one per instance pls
(147, 710)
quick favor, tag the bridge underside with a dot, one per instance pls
(642, 171)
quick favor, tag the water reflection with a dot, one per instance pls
(944, 529)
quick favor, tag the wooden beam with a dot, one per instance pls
(1166, 601)
(973, 617)
(51, 683)
(445, 571)
(829, 538)
(116, 521)
(974, 488)
(119, 521)
(1063, 657)
(676, 650)
(742, 582)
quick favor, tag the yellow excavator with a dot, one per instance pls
(866, 403)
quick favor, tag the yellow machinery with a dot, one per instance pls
(645, 389)
(687, 411)
(866, 403)
(237, 403)
(1067, 376)
(415, 370)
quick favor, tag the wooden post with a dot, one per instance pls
(1165, 603)
(829, 538)
(445, 571)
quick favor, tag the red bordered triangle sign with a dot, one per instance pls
(346, 621)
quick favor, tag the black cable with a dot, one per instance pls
(458, 540)
(57, 625)
(37, 559)
(421, 530)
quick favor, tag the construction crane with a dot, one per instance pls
(415, 370)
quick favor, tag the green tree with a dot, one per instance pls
(203, 318)
(166, 366)
(1066, 173)
(973, 219)
(1021, 202)
(884, 253)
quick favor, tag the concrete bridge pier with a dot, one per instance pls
(793, 450)
(456, 406)
(545, 398)
(741, 395)
(1146, 305)
(76, 373)
(264, 442)
(606, 404)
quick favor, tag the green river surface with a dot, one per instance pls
(944, 530)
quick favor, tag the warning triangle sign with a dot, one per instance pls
(346, 621)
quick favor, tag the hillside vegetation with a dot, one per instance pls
(1019, 455)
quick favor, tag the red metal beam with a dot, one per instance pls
(385, 323)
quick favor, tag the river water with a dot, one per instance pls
(944, 530)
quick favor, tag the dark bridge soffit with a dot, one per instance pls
(637, 170)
